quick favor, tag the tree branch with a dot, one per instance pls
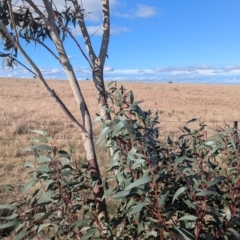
(44, 45)
(80, 18)
(14, 59)
(85, 56)
(78, 45)
(106, 31)
(68, 68)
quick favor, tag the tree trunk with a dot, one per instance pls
(101, 92)
(98, 190)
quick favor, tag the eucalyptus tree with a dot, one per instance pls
(25, 20)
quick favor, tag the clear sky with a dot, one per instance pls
(157, 41)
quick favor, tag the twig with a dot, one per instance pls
(14, 59)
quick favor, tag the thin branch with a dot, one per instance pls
(85, 56)
(44, 45)
(23, 65)
(96, 31)
(74, 39)
(36, 9)
(14, 59)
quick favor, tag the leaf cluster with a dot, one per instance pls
(185, 188)
(57, 202)
(32, 28)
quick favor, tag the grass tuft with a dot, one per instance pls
(19, 128)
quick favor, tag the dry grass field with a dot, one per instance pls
(24, 105)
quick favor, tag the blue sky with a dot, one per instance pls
(157, 41)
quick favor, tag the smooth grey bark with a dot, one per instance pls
(97, 61)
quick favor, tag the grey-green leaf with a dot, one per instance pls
(43, 159)
(131, 97)
(139, 182)
(215, 181)
(10, 217)
(140, 228)
(183, 232)
(178, 192)
(121, 194)
(13, 223)
(42, 226)
(151, 233)
(111, 83)
(234, 232)
(43, 169)
(117, 128)
(97, 119)
(88, 235)
(20, 235)
(28, 186)
(188, 218)
(136, 103)
(42, 147)
(103, 134)
(205, 193)
(8, 206)
(28, 164)
(108, 192)
(138, 163)
(46, 197)
(137, 208)
(44, 133)
(80, 223)
(43, 216)
(192, 120)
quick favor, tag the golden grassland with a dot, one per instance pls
(25, 105)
